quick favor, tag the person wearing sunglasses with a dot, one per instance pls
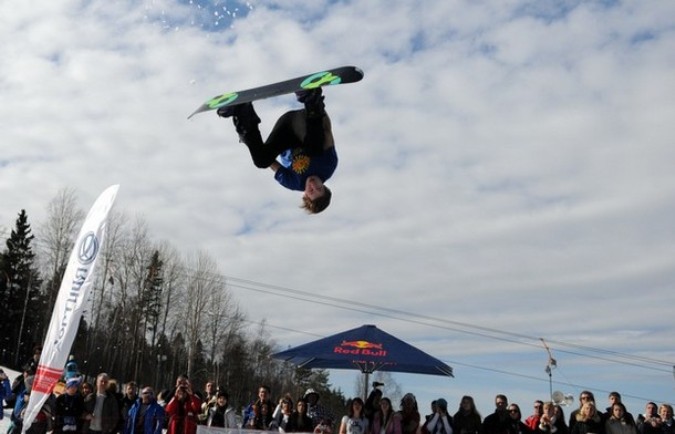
(516, 425)
(146, 416)
(584, 397)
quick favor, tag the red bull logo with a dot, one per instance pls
(363, 348)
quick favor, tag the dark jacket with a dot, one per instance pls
(646, 427)
(592, 426)
(221, 417)
(68, 413)
(299, 423)
(616, 426)
(109, 416)
(668, 426)
(466, 423)
(496, 423)
(626, 416)
(519, 427)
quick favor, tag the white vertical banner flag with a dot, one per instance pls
(69, 305)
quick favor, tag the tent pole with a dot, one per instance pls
(365, 386)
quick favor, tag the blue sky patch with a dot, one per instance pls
(555, 10)
(207, 15)
(643, 36)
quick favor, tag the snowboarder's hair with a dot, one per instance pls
(319, 204)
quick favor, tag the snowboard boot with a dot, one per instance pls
(227, 111)
(315, 111)
(313, 101)
(243, 116)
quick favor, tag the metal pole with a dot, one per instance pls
(366, 375)
(23, 319)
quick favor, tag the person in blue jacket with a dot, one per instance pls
(303, 142)
(146, 416)
(5, 390)
(22, 390)
(72, 370)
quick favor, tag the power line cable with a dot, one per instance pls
(442, 323)
(486, 331)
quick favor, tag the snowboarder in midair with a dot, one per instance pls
(300, 149)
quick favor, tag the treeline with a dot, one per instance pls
(153, 313)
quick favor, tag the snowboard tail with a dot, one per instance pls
(330, 77)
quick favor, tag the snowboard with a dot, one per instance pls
(329, 77)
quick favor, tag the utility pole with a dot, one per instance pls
(550, 365)
(23, 319)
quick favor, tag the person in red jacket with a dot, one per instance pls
(183, 410)
(532, 421)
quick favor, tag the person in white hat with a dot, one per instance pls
(319, 414)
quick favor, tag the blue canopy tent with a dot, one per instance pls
(367, 349)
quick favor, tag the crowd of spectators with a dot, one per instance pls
(107, 408)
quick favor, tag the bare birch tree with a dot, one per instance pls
(174, 280)
(134, 258)
(202, 281)
(102, 291)
(103, 311)
(57, 235)
(222, 319)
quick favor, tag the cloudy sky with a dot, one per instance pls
(506, 170)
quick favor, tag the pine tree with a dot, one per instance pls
(152, 297)
(5, 356)
(21, 289)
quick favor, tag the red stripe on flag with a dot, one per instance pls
(45, 379)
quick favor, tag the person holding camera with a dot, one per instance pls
(183, 409)
(547, 421)
(440, 422)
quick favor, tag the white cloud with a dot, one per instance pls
(499, 165)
